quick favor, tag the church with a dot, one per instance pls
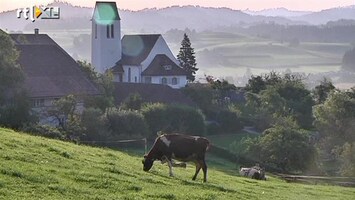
(134, 58)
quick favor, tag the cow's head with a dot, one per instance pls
(147, 163)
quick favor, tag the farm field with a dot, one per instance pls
(39, 168)
(224, 54)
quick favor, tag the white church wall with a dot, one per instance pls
(134, 73)
(106, 51)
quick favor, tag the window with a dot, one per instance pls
(129, 75)
(54, 100)
(38, 103)
(95, 31)
(135, 79)
(148, 79)
(112, 31)
(108, 31)
(164, 81)
(167, 67)
(175, 81)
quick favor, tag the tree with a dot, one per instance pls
(349, 60)
(187, 59)
(335, 118)
(68, 117)
(321, 91)
(284, 145)
(14, 103)
(133, 102)
(105, 84)
(335, 121)
(283, 96)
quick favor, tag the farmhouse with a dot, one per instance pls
(134, 58)
(50, 73)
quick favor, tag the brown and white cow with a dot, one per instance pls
(184, 148)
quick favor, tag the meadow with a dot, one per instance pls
(39, 168)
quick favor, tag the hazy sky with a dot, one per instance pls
(309, 5)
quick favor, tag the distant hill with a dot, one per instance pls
(155, 20)
(332, 14)
(176, 17)
(277, 12)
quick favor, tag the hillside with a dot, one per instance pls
(35, 168)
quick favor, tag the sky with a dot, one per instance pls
(302, 5)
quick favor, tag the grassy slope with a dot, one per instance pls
(38, 168)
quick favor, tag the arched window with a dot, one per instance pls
(95, 31)
(164, 81)
(129, 75)
(175, 81)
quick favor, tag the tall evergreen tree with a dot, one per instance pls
(187, 58)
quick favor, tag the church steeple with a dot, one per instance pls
(106, 48)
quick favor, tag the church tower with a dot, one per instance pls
(106, 48)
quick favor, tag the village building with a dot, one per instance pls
(134, 58)
(50, 73)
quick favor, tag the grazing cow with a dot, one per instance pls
(255, 172)
(184, 148)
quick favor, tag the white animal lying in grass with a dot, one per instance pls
(255, 172)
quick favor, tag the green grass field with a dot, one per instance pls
(38, 168)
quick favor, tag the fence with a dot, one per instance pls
(116, 144)
(342, 181)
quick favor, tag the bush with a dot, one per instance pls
(173, 118)
(123, 122)
(44, 130)
(285, 146)
(94, 124)
(229, 122)
(133, 102)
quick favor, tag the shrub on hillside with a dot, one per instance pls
(44, 130)
(173, 118)
(229, 121)
(123, 122)
(94, 124)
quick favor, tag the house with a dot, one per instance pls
(50, 73)
(134, 58)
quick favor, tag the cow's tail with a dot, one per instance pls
(208, 145)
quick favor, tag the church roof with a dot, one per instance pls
(162, 65)
(51, 72)
(105, 10)
(136, 48)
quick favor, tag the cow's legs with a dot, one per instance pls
(198, 167)
(170, 167)
(204, 169)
